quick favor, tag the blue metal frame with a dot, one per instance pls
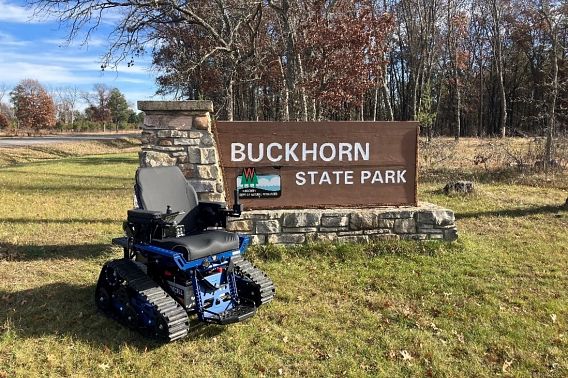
(213, 260)
(204, 265)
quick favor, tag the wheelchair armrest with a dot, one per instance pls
(212, 214)
(146, 225)
(141, 216)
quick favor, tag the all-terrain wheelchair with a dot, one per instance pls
(179, 260)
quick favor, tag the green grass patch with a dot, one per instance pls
(493, 303)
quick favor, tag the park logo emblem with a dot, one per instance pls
(251, 184)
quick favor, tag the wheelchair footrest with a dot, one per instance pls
(234, 315)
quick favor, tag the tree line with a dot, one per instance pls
(31, 108)
(461, 67)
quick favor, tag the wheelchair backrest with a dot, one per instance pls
(160, 187)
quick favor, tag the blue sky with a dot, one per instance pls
(37, 49)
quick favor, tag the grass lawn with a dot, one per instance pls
(493, 303)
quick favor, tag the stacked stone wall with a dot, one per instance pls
(179, 133)
(423, 222)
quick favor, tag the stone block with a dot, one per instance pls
(207, 141)
(172, 134)
(378, 231)
(267, 227)
(178, 154)
(450, 234)
(179, 106)
(422, 230)
(326, 236)
(353, 239)
(335, 221)
(202, 156)
(437, 217)
(202, 185)
(149, 137)
(260, 216)
(436, 236)
(167, 121)
(163, 148)
(258, 239)
(333, 229)
(185, 142)
(165, 142)
(461, 187)
(301, 220)
(207, 171)
(156, 159)
(187, 169)
(212, 197)
(385, 223)
(350, 233)
(364, 220)
(202, 122)
(240, 225)
(396, 214)
(287, 238)
(299, 229)
(404, 226)
(380, 237)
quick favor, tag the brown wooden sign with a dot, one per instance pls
(319, 164)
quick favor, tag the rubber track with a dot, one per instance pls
(262, 282)
(172, 314)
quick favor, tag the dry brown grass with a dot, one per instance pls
(18, 155)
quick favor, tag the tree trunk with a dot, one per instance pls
(549, 147)
(498, 55)
(386, 98)
(303, 91)
(362, 107)
(458, 108)
(230, 99)
(285, 94)
(376, 105)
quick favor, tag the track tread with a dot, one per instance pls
(264, 287)
(171, 313)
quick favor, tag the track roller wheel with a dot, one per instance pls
(102, 299)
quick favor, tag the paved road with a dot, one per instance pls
(50, 139)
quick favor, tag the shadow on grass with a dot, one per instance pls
(105, 160)
(14, 252)
(38, 186)
(62, 309)
(61, 221)
(117, 178)
(545, 209)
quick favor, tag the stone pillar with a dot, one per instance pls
(179, 133)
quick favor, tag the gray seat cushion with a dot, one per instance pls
(160, 187)
(201, 245)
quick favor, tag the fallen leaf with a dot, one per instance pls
(280, 371)
(406, 356)
(553, 317)
(104, 366)
(285, 339)
(506, 365)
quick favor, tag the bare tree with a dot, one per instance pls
(3, 90)
(98, 100)
(496, 11)
(554, 19)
